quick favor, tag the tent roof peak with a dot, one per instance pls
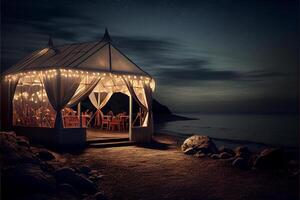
(50, 42)
(106, 36)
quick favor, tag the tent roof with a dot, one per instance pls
(100, 56)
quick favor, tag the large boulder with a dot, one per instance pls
(240, 163)
(271, 159)
(225, 155)
(223, 149)
(84, 169)
(100, 196)
(23, 141)
(190, 151)
(25, 179)
(199, 143)
(45, 155)
(68, 175)
(243, 152)
(215, 156)
(13, 153)
(67, 191)
(41, 196)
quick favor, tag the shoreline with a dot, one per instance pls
(163, 118)
(231, 143)
(255, 145)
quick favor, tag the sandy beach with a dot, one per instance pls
(162, 171)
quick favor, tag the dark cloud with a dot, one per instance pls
(194, 70)
(164, 52)
(167, 38)
(149, 51)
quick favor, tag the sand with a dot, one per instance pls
(162, 171)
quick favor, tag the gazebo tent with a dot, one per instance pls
(56, 77)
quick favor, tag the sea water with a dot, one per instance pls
(273, 130)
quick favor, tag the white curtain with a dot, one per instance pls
(99, 102)
(102, 101)
(139, 96)
(130, 88)
(148, 96)
(60, 88)
(84, 90)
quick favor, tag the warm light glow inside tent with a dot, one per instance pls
(48, 81)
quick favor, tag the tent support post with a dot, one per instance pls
(79, 114)
(130, 118)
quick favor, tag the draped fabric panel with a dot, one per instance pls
(60, 88)
(148, 96)
(139, 95)
(99, 103)
(85, 88)
(31, 106)
(133, 94)
(102, 101)
(7, 94)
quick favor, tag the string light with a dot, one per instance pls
(81, 74)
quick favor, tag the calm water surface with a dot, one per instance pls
(276, 130)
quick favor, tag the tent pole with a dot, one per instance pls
(130, 117)
(79, 114)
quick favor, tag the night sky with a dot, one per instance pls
(206, 56)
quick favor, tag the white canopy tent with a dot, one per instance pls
(56, 77)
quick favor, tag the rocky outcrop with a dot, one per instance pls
(241, 157)
(199, 143)
(271, 159)
(225, 155)
(68, 175)
(29, 172)
(240, 163)
(242, 152)
(224, 149)
(45, 155)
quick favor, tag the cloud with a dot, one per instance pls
(164, 58)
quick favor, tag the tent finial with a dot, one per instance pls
(50, 42)
(106, 36)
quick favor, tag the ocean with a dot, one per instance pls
(231, 130)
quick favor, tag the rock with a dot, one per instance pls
(293, 164)
(225, 155)
(23, 141)
(252, 160)
(189, 151)
(100, 196)
(25, 179)
(45, 155)
(243, 152)
(199, 143)
(67, 191)
(200, 155)
(47, 167)
(14, 154)
(95, 177)
(93, 171)
(270, 159)
(226, 149)
(84, 169)
(40, 196)
(240, 163)
(11, 134)
(64, 173)
(68, 175)
(215, 156)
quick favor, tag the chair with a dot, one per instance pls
(115, 123)
(105, 121)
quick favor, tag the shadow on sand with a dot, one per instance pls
(155, 145)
